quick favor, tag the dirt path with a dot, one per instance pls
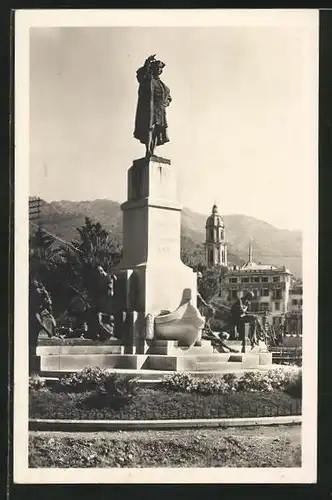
(270, 446)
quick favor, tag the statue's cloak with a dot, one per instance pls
(153, 98)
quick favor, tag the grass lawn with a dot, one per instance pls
(160, 404)
(271, 446)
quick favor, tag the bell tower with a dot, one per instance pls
(215, 245)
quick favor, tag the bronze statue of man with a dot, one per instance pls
(99, 315)
(40, 317)
(153, 99)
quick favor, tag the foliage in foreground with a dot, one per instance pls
(114, 384)
(100, 380)
(157, 404)
(36, 382)
(95, 393)
(280, 379)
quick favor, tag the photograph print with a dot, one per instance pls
(165, 246)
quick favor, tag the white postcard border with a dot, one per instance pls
(24, 19)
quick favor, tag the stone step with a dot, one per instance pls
(171, 347)
(162, 362)
(44, 340)
(213, 357)
(217, 366)
(192, 363)
(79, 349)
(244, 361)
(75, 362)
(181, 351)
(192, 351)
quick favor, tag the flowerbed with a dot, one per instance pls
(288, 380)
(158, 404)
(99, 394)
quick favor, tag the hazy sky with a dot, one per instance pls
(238, 122)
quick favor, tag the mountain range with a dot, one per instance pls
(270, 245)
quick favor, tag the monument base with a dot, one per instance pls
(161, 356)
(156, 280)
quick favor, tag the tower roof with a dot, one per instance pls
(214, 220)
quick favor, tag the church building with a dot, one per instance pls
(215, 245)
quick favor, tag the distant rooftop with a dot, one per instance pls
(251, 265)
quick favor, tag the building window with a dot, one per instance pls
(254, 280)
(265, 279)
(264, 306)
(276, 279)
(265, 292)
(232, 295)
(300, 301)
(277, 294)
(233, 280)
(211, 256)
(245, 280)
(277, 306)
(294, 302)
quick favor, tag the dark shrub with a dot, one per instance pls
(114, 384)
(88, 379)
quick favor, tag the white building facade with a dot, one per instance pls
(295, 302)
(270, 285)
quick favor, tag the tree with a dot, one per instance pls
(41, 254)
(68, 271)
(192, 254)
(211, 282)
(44, 266)
(93, 248)
(41, 242)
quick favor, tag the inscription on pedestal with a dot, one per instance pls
(166, 232)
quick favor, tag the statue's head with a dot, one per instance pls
(157, 67)
(249, 296)
(100, 270)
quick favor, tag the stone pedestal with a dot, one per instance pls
(157, 279)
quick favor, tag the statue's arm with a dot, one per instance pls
(143, 72)
(168, 99)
